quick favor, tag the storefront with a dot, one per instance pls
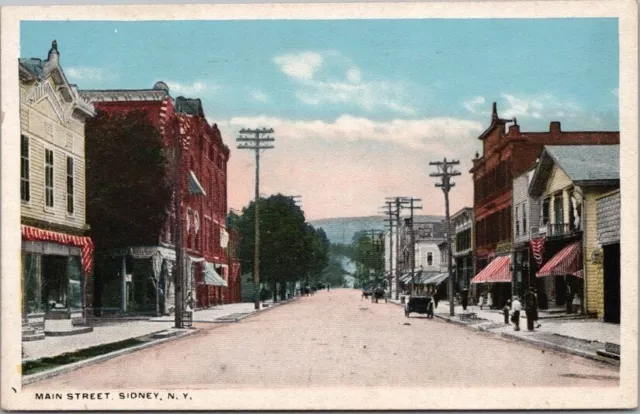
(495, 278)
(54, 275)
(562, 277)
(608, 226)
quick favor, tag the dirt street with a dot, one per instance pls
(333, 339)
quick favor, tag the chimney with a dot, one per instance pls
(555, 127)
(514, 130)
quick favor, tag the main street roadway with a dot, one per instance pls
(337, 339)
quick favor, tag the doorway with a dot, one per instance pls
(55, 283)
(611, 270)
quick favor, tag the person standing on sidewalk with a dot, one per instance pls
(465, 299)
(530, 308)
(515, 317)
(506, 310)
(481, 301)
(489, 300)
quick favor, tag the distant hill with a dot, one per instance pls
(342, 229)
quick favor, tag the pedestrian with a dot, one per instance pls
(489, 300)
(481, 301)
(576, 303)
(506, 310)
(465, 299)
(530, 308)
(436, 297)
(536, 316)
(189, 302)
(516, 306)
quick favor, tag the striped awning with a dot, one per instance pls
(436, 279)
(498, 271)
(565, 262)
(211, 277)
(85, 243)
(406, 277)
(194, 185)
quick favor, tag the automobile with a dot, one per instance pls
(419, 304)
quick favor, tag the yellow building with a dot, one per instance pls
(567, 182)
(56, 254)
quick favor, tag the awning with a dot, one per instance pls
(194, 185)
(211, 277)
(85, 243)
(565, 262)
(405, 277)
(436, 279)
(498, 271)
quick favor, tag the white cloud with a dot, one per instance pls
(330, 78)
(300, 66)
(259, 96)
(440, 135)
(475, 105)
(85, 73)
(177, 88)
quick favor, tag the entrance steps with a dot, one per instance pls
(65, 327)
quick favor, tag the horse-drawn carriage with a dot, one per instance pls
(378, 294)
(366, 292)
(419, 304)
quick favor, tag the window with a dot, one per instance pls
(48, 177)
(70, 185)
(25, 192)
(545, 211)
(429, 259)
(525, 229)
(517, 222)
(558, 210)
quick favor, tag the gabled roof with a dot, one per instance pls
(583, 164)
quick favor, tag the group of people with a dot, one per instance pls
(530, 309)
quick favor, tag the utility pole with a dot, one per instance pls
(390, 224)
(445, 172)
(412, 235)
(181, 142)
(397, 202)
(256, 143)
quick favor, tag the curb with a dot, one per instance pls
(30, 379)
(266, 309)
(561, 348)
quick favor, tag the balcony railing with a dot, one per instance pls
(560, 229)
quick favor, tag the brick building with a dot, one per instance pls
(144, 284)
(507, 154)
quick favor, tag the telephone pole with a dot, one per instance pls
(257, 144)
(445, 172)
(390, 224)
(411, 206)
(396, 201)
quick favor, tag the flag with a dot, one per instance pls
(537, 248)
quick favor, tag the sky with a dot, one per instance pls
(359, 107)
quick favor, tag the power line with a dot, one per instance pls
(445, 172)
(257, 144)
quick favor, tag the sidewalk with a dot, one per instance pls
(112, 330)
(584, 337)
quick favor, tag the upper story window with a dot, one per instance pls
(70, 185)
(558, 209)
(525, 229)
(517, 221)
(25, 190)
(48, 177)
(429, 259)
(545, 212)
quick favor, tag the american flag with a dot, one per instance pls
(537, 248)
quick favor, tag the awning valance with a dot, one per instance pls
(565, 262)
(211, 277)
(194, 185)
(85, 243)
(498, 271)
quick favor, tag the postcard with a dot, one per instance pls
(348, 206)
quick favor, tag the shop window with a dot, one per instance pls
(32, 283)
(25, 191)
(75, 280)
(48, 177)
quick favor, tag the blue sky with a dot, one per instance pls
(359, 106)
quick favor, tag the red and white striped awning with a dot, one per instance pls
(497, 271)
(565, 262)
(85, 243)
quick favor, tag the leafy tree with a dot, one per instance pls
(128, 188)
(290, 249)
(368, 253)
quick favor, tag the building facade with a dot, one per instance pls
(427, 259)
(526, 221)
(607, 252)
(145, 281)
(508, 153)
(567, 183)
(462, 223)
(57, 253)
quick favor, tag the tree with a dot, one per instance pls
(290, 249)
(128, 187)
(368, 253)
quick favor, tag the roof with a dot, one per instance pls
(583, 164)
(189, 106)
